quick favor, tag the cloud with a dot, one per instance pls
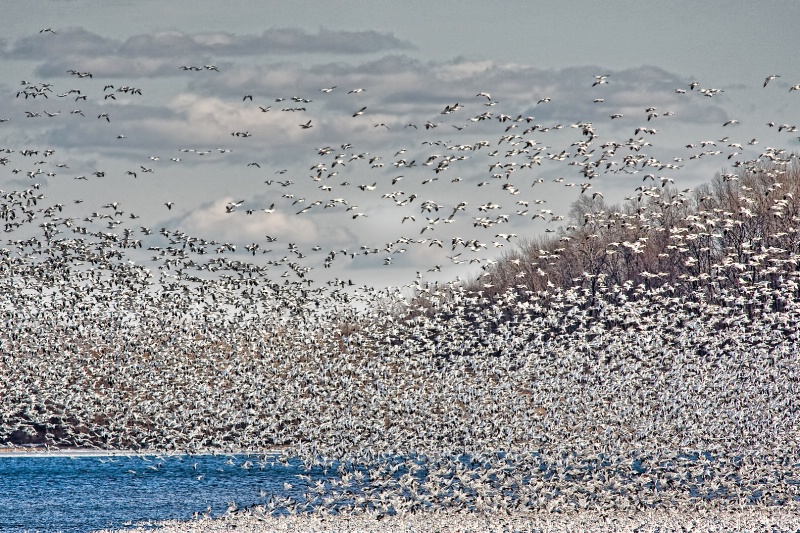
(110, 66)
(78, 42)
(272, 41)
(212, 221)
(162, 53)
(406, 86)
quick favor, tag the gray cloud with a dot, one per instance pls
(272, 41)
(110, 66)
(79, 45)
(406, 87)
(76, 42)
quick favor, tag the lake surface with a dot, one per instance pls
(80, 492)
(84, 493)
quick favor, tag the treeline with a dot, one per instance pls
(722, 241)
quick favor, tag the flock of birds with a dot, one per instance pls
(663, 379)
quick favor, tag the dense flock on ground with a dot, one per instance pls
(637, 356)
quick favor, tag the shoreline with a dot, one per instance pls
(754, 520)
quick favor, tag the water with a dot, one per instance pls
(81, 493)
(84, 493)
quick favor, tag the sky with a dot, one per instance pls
(340, 184)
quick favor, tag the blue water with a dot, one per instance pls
(76, 494)
(83, 493)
